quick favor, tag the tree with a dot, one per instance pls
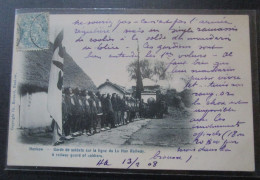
(145, 69)
(160, 70)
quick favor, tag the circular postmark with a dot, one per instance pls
(39, 31)
(32, 31)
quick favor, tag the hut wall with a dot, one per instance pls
(33, 111)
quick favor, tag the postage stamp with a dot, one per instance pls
(32, 31)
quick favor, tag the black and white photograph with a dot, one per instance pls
(143, 107)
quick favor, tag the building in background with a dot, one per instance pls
(109, 88)
(149, 89)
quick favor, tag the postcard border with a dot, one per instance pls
(255, 92)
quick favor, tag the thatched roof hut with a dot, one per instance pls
(36, 71)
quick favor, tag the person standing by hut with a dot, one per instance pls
(99, 109)
(119, 108)
(127, 106)
(69, 105)
(87, 112)
(104, 122)
(110, 111)
(93, 114)
(124, 108)
(115, 109)
(81, 122)
(132, 109)
(77, 113)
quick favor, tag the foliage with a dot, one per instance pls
(145, 67)
(179, 100)
(148, 70)
(160, 69)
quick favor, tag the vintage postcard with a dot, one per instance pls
(131, 91)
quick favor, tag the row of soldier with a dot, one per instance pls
(83, 110)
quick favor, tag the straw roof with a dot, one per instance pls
(36, 70)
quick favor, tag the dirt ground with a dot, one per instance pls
(171, 131)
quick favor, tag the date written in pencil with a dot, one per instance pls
(128, 163)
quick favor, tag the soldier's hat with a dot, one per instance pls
(90, 93)
(83, 92)
(76, 90)
(66, 90)
(98, 93)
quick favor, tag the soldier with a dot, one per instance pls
(68, 104)
(80, 113)
(131, 110)
(119, 108)
(115, 108)
(127, 106)
(124, 113)
(99, 109)
(71, 100)
(87, 112)
(110, 111)
(73, 110)
(82, 108)
(93, 115)
(104, 123)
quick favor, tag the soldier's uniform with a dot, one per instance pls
(69, 110)
(124, 110)
(99, 110)
(71, 101)
(87, 113)
(104, 123)
(119, 109)
(65, 117)
(93, 114)
(115, 109)
(109, 109)
(130, 110)
(81, 121)
(127, 110)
